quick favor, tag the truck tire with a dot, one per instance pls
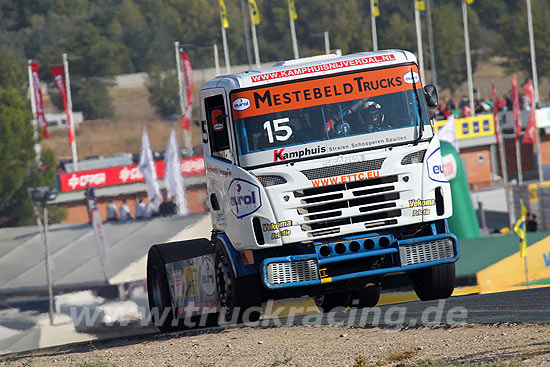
(436, 282)
(236, 295)
(365, 297)
(160, 301)
(327, 302)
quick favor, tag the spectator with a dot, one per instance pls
(124, 211)
(531, 222)
(149, 210)
(112, 211)
(140, 209)
(168, 207)
(509, 102)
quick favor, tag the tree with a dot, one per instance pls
(163, 92)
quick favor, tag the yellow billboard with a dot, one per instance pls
(471, 127)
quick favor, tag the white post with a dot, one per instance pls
(255, 42)
(226, 52)
(374, 35)
(70, 107)
(504, 168)
(48, 267)
(468, 57)
(183, 93)
(419, 43)
(293, 33)
(431, 42)
(518, 162)
(216, 59)
(327, 43)
(34, 122)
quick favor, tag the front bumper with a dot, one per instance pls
(362, 262)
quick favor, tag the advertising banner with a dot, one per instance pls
(38, 100)
(471, 127)
(58, 72)
(188, 88)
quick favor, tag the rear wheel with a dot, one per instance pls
(239, 297)
(436, 282)
(367, 296)
(160, 301)
(327, 302)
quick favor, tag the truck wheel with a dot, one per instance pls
(365, 297)
(236, 295)
(329, 301)
(435, 282)
(160, 301)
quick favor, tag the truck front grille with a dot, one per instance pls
(343, 169)
(325, 210)
(426, 252)
(291, 272)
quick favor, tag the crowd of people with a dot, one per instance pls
(143, 209)
(462, 108)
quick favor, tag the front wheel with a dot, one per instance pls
(366, 297)
(436, 282)
(329, 301)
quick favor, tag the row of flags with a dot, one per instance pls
(255, 12)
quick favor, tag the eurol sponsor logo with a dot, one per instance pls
(241, 104)
(244, 197)
(411, 77)
(434, 165)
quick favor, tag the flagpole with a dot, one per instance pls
(216, 59)
(504, 169)
(327, 43)
(468, 56)
(419, 42)
(293, 32)
(254, 41)
(526, 270)
(34, 122)
(246, 35)
(518, 162)
(373, 25)
(70, 108)
(226, 52)
(431, 42)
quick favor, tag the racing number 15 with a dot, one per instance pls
(278, 127)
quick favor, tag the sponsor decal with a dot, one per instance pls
(414, 203)
(241, 104)
(178, 284)
(275, 226)
(218, 126)
(411, 77)
(316, 92)
(190, 278)
(449, 166)
(345, 178)
(471, 127)
(244, 197)
(281, 155)
(283, 233)
(418, 212)
(324, 67)
(207, 277)
(435, 167)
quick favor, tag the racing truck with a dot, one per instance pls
(324, 176)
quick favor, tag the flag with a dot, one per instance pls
(515, 109)
(254, 11)
(375, 10)
(530, 136)
(36, 94)
(146, 166)
(469, 2)
(172, 175)
(101, 240)
(58, 72)
(448, 132)
(293, 13)
(495, 113)
(187, 89)
(420, 5)
(223, 13)
(519, 228)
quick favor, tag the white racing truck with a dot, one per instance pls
(324, 175)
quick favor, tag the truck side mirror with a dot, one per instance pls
(430, 92)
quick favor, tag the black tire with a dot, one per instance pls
(365, 297)
(327, 302)
(158, 292)
(236, 295)
(436, 282)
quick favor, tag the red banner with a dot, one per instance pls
(530, 136)
(188, 83)
(515, 109)
(40, 116)
(495, 112)
(193, 166)
(58, 72)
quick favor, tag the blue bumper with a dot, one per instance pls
(398, 249)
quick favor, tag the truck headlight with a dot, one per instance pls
(270, 180)
(416, 157)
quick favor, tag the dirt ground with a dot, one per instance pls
(479, 345)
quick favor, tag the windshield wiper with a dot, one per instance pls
(421, 127)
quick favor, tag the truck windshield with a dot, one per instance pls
(342, 112)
